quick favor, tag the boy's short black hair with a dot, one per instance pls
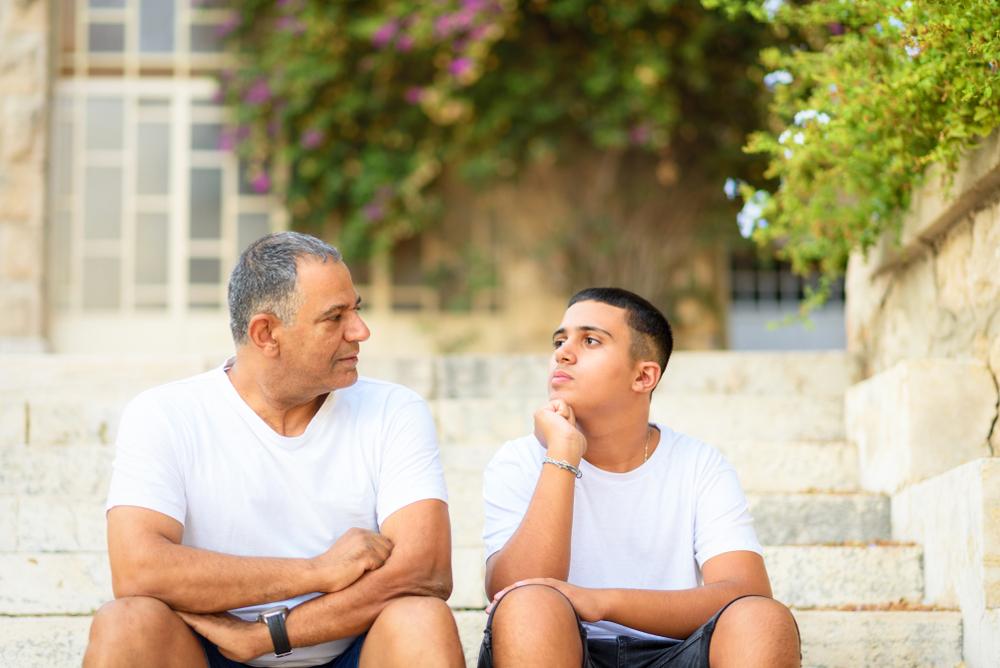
(652, 338)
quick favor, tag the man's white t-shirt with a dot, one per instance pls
(650, 528)
(195, 451)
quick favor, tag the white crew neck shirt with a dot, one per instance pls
(649, 528)
(195, 451)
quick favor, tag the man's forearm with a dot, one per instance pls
(352, 610)
(674, 614)
(541, 545)
(195, 580)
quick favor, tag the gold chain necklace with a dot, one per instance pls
(645, 448)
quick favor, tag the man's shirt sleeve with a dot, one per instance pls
(411, 466)
(146, 471)
(722, 515)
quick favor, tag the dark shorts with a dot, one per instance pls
(630, 652)
(349, 659)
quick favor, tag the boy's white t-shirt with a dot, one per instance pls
(195, 451)
(650, 528)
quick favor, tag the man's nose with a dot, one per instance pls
(358, 330)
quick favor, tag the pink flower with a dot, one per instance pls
(258, 93)
(414, 95)
(227, 140)
(384, 34)
(460, 66)
(373, 212)
(404, 43)
(227, 27)
(312, 138)
(261, 183)
(640, 134)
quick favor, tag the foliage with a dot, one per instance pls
(876, 92)
(361, 107)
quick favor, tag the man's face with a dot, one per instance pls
(319, 350)
(592, 363)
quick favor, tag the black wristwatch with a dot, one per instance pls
(274, 618)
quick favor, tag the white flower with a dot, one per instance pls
(772, 79)
(771, 7)
(783, 137)
(749, 218)
(732, 188)
(788, 154)
(823, 118)
(799, 138)
(896, 23)
(913, 49)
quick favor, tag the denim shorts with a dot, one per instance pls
(349, 659)
(630, 652)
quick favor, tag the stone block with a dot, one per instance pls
(483, 420)
(13, 419)
(66, 417)
(469, 577)
(416, 373)
(920, 418)
(20, 252)
(471, 624)
(23, 63)
(61, 524)
(8, 523)
(776, 466)
(956, 517)
(22, 129)
(876, 639)
(822, 374)
(36, 583)
(465, 505)
(819, 576)
(981, 638)
(469, 376)
(79, 471)
(803, 519)
(41, 642)
(717, 418)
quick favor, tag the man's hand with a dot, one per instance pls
(236, 639)
(556, 430)
(355, 553)
(588, 603)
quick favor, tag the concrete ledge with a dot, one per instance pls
(933, 212)
(920, 418)
(43, 642)
(956, 516)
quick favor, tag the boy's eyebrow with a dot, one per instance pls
(584, 328)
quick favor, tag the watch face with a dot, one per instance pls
(273, 612)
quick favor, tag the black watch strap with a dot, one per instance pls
(279, 636)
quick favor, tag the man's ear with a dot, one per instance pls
(646, 377)
(261, 333)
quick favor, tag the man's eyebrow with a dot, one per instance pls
(584, 328)
(337, 308)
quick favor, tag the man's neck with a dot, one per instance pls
(619, 442)
(287, 415)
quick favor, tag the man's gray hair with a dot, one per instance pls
(265, 277)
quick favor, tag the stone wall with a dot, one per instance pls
(936, 294)
(24, 95)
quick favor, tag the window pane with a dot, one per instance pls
(205, 38)
(101, 282)
(251, 226)
(106, 3)
(106, 37)
(153, 177)
(104, 123)
(206, 203)
(204, 271)
(103, 208)
(206, 136)
(156, 26)
(151, 244)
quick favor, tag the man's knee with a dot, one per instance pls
(131, 617)
(416, 613)
(537, 606)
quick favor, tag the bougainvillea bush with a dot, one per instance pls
(874, 93)
(354, 110)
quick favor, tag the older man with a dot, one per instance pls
(279, 510)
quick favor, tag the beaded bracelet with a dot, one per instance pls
(564, 465)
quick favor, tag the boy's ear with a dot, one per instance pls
(647, 376)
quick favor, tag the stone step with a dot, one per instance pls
(35, 583)
(818, 374)
(54, 522)
(714, 418)
(801, 575)
(830, 639)
(78, 471)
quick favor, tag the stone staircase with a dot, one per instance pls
(779, 418)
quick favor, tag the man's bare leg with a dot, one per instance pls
(141, 631)
(535, 625)
(755, 631)
(414, 631)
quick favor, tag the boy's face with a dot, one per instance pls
(592, 364)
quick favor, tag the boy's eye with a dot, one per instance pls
(557, 342)
(591, 339)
